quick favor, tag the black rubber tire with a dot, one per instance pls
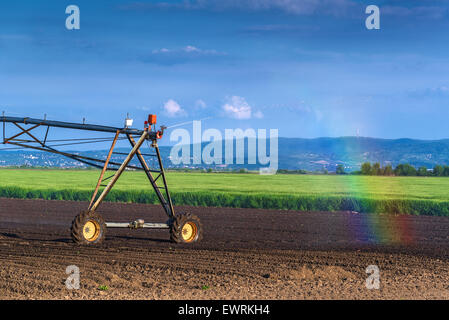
(178, 223)
(78, 223)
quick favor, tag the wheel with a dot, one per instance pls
(88, 228)
(186, 228)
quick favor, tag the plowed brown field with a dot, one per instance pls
(245, 254)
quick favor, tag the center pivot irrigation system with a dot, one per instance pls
(89, 227)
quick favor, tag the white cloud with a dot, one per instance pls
(186, 54)
(237, 108)
(318, 114)
(258, 114)
(423, 12)
(189, 49)
(173, 109)
(435, 92)
(442, 89)
(162, 50)
(200, 104)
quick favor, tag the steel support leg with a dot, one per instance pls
(119, 172)
(166, 203)
(105, 167)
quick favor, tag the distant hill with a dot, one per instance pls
(353, 151)
(294, 153)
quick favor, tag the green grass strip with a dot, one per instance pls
(240, 200)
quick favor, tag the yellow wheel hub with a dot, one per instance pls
(189, 232)
(91, 230)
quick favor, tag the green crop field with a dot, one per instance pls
(412, 195)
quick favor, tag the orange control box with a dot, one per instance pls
(152, 119)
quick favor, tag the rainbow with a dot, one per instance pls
(382, 229)
(377, 228)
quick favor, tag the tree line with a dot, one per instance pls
(406, 169)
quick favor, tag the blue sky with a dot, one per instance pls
(308, 68)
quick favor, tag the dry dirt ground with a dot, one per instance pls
(245, 254)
